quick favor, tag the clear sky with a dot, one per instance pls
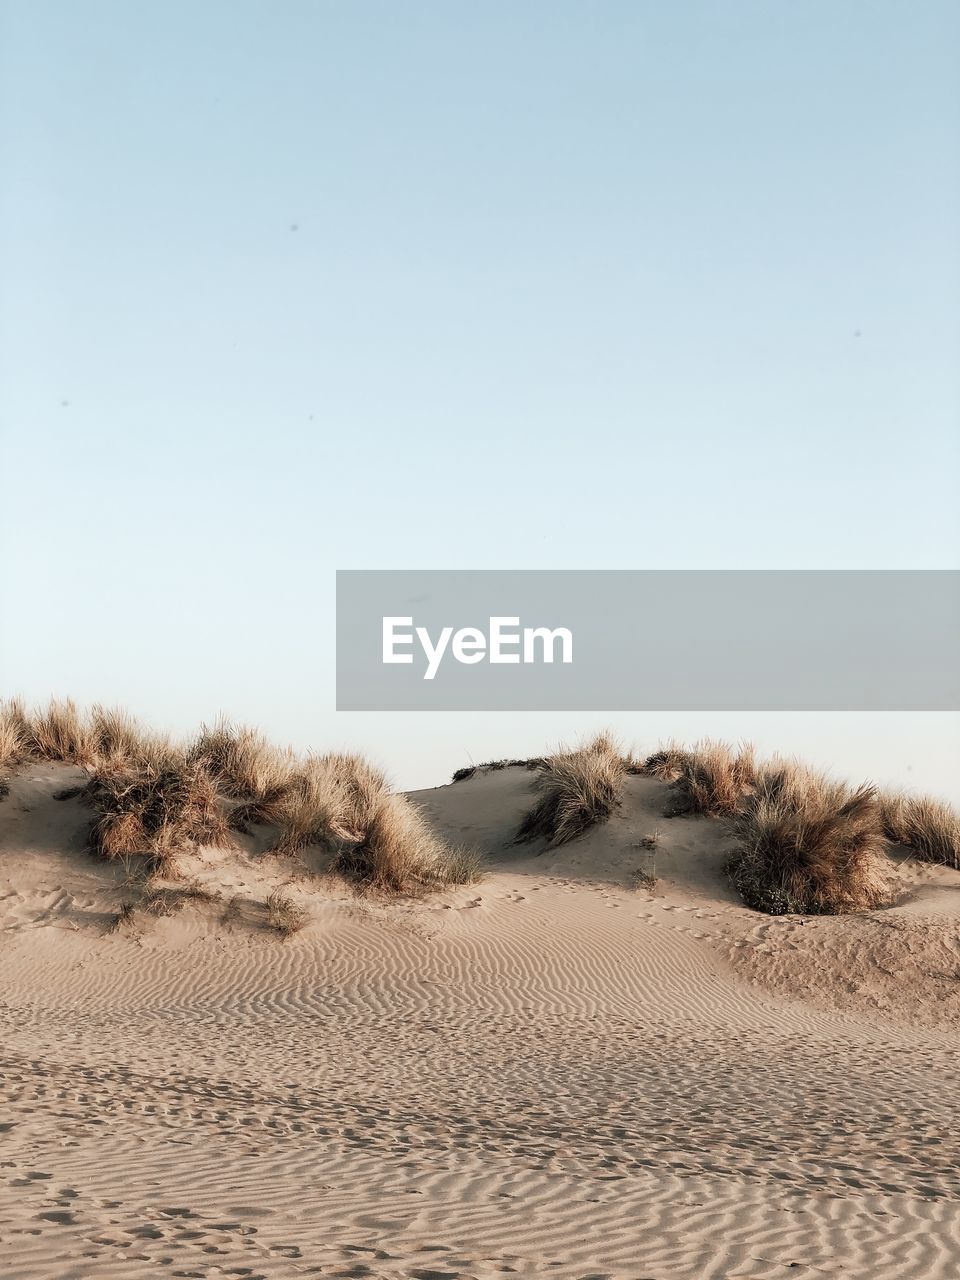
(291, 287)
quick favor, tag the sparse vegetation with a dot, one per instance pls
(284, 915)
(578, 789)
(645, 877)
(494, 766)
(124, 915)
(929, 828)
(809, 845)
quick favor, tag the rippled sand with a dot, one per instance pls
(552, 1073)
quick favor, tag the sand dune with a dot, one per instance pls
(551, 1073)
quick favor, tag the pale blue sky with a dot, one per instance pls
(291, 287)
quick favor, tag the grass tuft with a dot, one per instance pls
(156, 811)
(284, 915)
(809, 845)
(711, 778)
(61, 732)
(399, 852)
(930, 828)
(15, 733)
(578, 789)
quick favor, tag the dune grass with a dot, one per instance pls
(15, 735)
(804, 843)
(62, 732)
(709, 778)
(399, 852)
(494, 766)
(578, 789)
(930, 828)
(810, 845)
(154, 810)
(156, 798)
(284, 915)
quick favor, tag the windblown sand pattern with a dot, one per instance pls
(550, 1073)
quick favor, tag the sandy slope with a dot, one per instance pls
(549, 1074)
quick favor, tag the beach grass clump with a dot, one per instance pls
(284, 915)
(60, 732)
(248, 765)
(665, 764)
(709, 778)
(155, 809)
(578, 789)
(250, 769)
(930, 828)
(15, 733)
(14, 740)
(328, 798)
(397, 851)
(156, 798)
(809, 845)
(116, 737)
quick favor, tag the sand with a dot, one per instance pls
(552, 1073)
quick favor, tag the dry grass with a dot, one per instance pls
(494, 766)
(330, 798)
(398, 852)
(930, 828)
(155, 811)
(15, 735)
(251, 770)
(248, 766)
(123, 916)
(645, 877)
(284, 915)
(62, 732)
(578, 789)
(710, 778)
(666, 763)
(156, 798)
(115, 735)
(809, 845)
